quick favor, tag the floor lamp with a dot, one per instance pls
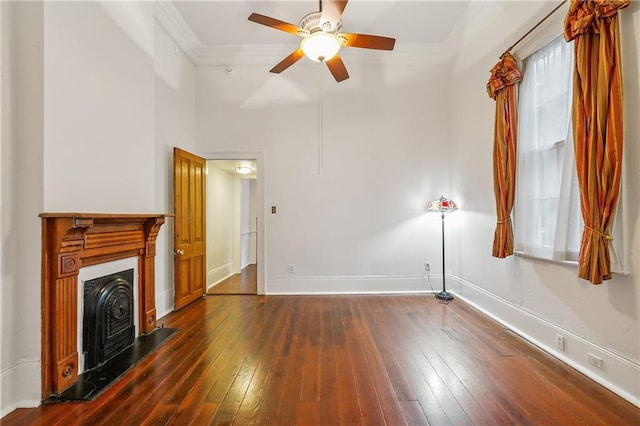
(443, 205)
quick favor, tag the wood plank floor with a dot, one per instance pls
(246, 282)
(312, 360)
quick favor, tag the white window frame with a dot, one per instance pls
(548, 222)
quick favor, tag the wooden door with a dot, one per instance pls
(189, 227)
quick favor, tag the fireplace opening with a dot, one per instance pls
(108, 319)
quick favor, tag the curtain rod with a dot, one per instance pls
(535, 26)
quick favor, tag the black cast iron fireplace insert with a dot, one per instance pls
(108, 322)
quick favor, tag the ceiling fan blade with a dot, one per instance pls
(331, 12)
(278, 24)
(367, 41)
(337, 68)
(287, 62)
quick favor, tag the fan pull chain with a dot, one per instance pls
(320, 123)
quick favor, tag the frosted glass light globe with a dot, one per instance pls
(320, 46)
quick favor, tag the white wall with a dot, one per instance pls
(97, 99)
(8, 201)
(9, 353)
(7, 193)
(22, 200)
(252, 256)
(355, 216)
(537, 298)
(99, 126)
(223, 200)
(247, 222)
(244, 222)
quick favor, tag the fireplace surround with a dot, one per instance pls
(71, 241)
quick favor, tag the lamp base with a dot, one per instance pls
(444, 295)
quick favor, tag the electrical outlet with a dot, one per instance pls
(292, 269)
(427, 266)
(594, 360)
(560, 342)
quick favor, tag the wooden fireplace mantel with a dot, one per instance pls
(71, 241)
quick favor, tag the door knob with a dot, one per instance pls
(179, 251)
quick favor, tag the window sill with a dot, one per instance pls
(531, 256)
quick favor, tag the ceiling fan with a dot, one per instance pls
(322, 39)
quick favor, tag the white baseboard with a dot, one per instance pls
(247, 264)
(347, 285)
(20, 386)
(619, 374)
(219, 274)
(164, 303)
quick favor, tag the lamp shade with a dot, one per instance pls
(320, 46)
(442, 205)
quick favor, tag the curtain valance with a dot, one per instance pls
(505, 73)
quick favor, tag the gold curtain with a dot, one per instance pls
(501, 87)
(597, 126)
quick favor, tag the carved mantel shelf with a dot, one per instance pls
(71, 241)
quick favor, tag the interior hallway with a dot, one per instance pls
(246, 282)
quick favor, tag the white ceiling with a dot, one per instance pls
(224, 23)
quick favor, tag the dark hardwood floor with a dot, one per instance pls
(246, 282)
(311, 360)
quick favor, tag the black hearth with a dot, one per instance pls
(108, 323)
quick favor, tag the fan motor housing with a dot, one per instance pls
(311, 23)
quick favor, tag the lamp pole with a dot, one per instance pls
(444, 294)
(443, 205)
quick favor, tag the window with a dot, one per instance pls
(548, 222)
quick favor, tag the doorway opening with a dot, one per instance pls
(232, 226)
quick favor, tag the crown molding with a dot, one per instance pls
(168, 17)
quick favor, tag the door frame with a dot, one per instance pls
(261, 235)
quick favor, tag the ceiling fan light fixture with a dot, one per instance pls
(320, 46)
